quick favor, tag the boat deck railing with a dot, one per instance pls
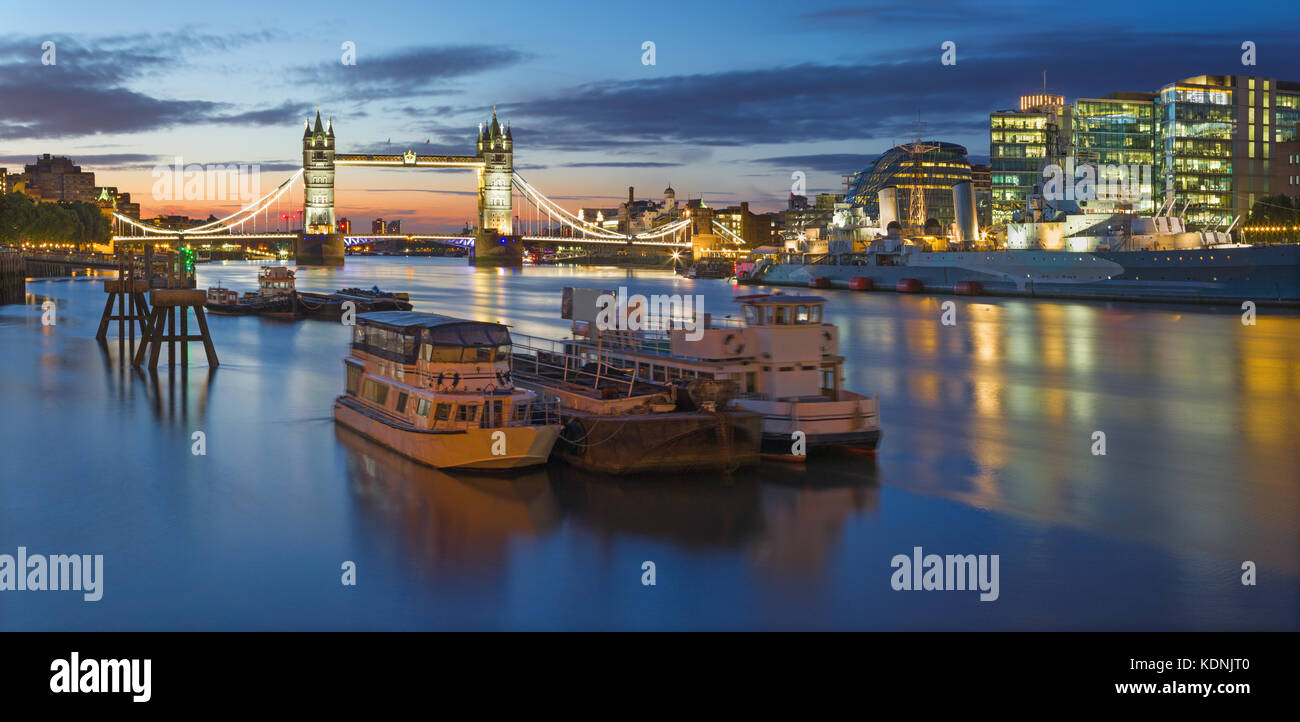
(574, 362)
(614, 345)
(543, 412)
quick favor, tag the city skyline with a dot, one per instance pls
(732, 106)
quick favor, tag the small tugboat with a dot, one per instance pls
(783, 358)
(709, 268)
(275, 295)
(617, 423)
(329, 306)
(438, 390)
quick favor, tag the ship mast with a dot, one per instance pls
(916, 198)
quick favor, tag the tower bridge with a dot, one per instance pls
(495, 242)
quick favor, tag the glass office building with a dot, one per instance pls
(1210, 140)
(1118, 130)
(1020, 143)
(1286, 110)
(1197, 132)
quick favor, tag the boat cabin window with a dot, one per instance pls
(375, 391)
(401, 402)
(459, 354)
(753, 315)
(781, 315)
(422, 408)
(354, 379)
(385, 339)
(442, 413)
(440, 354)
(521, 412)
(495, 413)
(815, 314)
(801, 314)
(466, 412)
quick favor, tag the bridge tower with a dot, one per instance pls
(320, 243)
(495, 243)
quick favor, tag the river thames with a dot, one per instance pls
(987, 449)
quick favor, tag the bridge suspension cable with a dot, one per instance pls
(558, 213)
(728, 233)
(249, 212)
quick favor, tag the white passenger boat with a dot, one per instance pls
(783, 358)
(438, 390)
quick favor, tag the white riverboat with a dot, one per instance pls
(438, 390)
(783, 359)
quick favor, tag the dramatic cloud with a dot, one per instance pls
(115, 161)
(869, 100)
(834, 162)
(622, 164)
(88, 91)
(410, 72)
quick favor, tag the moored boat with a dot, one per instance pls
(709, 268)
(616, 423)
(783, 359)
(275, 295)
(438, 390)
(329, 306)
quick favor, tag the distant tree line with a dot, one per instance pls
(1275, 210)
(23, 219)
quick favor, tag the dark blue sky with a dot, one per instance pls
(742, 94)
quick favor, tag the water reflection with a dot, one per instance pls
(988, 429)
(790, 518)
(173, 398)
(690, 512)
(447, 520)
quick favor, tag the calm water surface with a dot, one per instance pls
(987, 443)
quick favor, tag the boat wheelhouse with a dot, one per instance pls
(276, 281)
(782, 356)
(438, 389)
(220, 295)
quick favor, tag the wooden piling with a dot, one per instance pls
(161, 328)
(13, 276)
(128, 291)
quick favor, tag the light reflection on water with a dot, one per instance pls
(987, 449)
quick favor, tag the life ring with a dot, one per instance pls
(727, 345)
